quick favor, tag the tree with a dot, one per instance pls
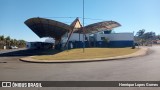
(140, 33)
(2, 41)
(106, 40)
(2, 38)
(15, 42)
(145, 38)
(149, 35)
(139, 37)
(22, 43)
(11, 42)
(7, 39)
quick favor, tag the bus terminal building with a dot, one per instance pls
(75, 36)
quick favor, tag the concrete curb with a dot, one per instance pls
(143, 51)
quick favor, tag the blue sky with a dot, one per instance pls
(133, 15)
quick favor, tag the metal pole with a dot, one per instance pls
(83, 30)
(67, 42)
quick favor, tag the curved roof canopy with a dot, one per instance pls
(100, 26)
(47, 28)
(51, 28)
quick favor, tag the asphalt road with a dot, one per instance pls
(145, 68)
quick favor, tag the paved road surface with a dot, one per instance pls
(145, 68)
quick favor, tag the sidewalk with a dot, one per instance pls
(141, 52)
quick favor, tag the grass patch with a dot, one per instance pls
(90, 53)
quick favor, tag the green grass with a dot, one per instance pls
(89, 53)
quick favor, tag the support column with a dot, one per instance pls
(58, 44)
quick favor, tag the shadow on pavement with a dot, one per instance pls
(29, 52)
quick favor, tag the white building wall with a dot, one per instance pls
(77, 37)
(111, 37)
(50, 40)
(116, 36)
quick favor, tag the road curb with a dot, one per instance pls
(143, 51)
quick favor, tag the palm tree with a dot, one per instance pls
(22, 43)
(1, 37)
(12, 42)
(2, 41)
(8, 41)
(15, 42)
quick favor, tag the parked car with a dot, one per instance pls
(13, 47)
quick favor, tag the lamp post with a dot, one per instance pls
(83, 30)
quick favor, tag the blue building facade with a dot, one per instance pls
(112, 40)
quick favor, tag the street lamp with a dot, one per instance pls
(83, 30)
